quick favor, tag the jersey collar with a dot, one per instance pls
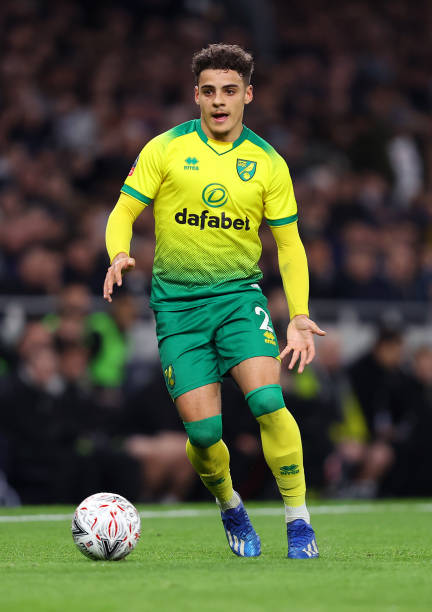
(205, 139)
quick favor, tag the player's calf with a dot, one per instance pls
(210, 458)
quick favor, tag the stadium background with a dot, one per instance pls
(345, 94)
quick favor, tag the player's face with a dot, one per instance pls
(221, 96)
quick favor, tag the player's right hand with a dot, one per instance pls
(121, 263)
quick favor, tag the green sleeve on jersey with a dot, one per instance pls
(280, 206)
(128, 190)
(283, 221)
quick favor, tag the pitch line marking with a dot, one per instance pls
(193, 513)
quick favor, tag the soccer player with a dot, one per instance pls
(211, 182)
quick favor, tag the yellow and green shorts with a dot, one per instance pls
(199, 346)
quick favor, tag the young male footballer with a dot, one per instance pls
(211, 181)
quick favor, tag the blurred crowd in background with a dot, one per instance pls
(344, 93)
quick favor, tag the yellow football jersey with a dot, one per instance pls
(209, 199)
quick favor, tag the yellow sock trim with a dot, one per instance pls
(212, 466)
(282, 449)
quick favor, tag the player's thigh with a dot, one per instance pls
(256, 372)
(246, 343)
(188, 356)
(200, 403)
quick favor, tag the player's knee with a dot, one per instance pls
(265, 400)
(206, 432)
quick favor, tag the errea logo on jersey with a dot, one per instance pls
(191, 163)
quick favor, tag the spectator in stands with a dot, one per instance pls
(380, 412)
(39, 429)
(111, 338)
(69, 324)
(57, 449)
(401, 271)
(412, 471)
(360, 278)
(321, 269)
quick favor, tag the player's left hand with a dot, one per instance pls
(300, 341)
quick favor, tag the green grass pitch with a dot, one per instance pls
(374, 557)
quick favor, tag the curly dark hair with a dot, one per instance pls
(223, 57)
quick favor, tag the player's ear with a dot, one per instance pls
(196, 94)
(248, 94)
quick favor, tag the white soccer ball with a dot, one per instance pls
(106, 526)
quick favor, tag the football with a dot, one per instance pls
(106, 526)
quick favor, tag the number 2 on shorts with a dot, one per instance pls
(265, 324)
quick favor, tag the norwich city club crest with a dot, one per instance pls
(169, 376)
(246, 169)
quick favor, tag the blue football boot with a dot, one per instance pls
(242, 537)
(301, 540)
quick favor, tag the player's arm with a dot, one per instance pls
(293, 268)
(138, 191)
(117, 237)
(295, 278)
(280, 210)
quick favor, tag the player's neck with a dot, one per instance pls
(230, 136)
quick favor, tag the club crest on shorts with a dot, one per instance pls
(246, 169)
(170, 376)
